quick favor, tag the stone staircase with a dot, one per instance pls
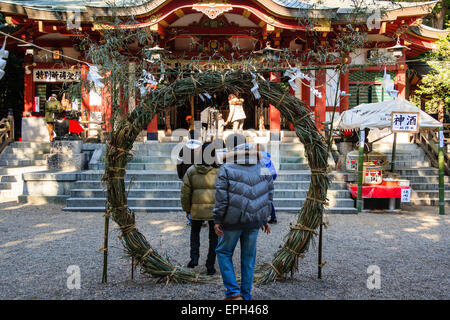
(412, 164)
(155, 185)
(19, 158)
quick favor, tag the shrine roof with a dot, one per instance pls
(346, 6)
(282, 7)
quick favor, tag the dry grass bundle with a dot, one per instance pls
(126, 129)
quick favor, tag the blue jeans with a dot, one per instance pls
(225, 250)
(272, 213)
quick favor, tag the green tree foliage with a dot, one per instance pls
(436, 84)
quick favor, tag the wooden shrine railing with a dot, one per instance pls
(99, 127)
(429, 142)
(6, 130)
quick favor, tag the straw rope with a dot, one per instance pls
(126, 129)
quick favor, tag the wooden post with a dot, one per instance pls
(359, 199)
(394, 149)
(191, 125)
(105, 250)
(441, 172)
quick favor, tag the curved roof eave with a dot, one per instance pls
(330, 9)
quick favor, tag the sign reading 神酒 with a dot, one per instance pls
(405, 122)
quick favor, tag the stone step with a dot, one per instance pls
(8, 178)
(387, 147)
(293, 159)
(290, 140)
(175, 193)
(151, 175)
(416, 171)
(20, 170)
(22, 163)
(42, 199)
(176, 184)
(294, 166)
(29, 156)
(5, 186)
(407, 156)
(291, 147)
(153, 159)
(430, 179)
(33, 145)
(25, 151)
(340, 210)
(288, 133)
(168, 160)
(428, 186)
(413, 164)
(171, 202)
(425, 194)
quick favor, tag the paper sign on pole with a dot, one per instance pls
(36, 104)
(406, 195)
(441, 139)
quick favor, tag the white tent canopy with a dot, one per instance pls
(378, 115)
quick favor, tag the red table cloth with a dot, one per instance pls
(377, 191)
(75, 127)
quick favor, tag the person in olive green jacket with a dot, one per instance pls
(198, 196)
(52, 106)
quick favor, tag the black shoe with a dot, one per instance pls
(272, 221)
(192, 264)
(210, 271)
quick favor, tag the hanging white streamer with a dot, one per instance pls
(147, 78)
(389, 85)
(255, 88)
(316, 93)
(4, 54)
(293, 74)
(94, 76)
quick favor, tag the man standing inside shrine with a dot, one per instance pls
(52, 106)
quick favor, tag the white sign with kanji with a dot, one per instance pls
(405, 122)
(406, 195)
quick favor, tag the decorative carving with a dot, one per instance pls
(212, 10)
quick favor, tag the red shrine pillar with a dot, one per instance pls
(400, 76)
(306, 94)
(344, 87)
(152, 129)
(28, 94)
(275, 115)
(321, 103)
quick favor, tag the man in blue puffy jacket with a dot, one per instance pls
(244, 192)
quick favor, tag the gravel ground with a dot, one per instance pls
(38, 243)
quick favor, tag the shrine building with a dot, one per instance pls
(216, 29)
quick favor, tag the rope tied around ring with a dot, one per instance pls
(149, 251)
(127, 229)
(297, 121)
(299, 226)
(276, 270)
(322, 264)
(294, 252)
(169, 277)
(281, 100)
(324, 202)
